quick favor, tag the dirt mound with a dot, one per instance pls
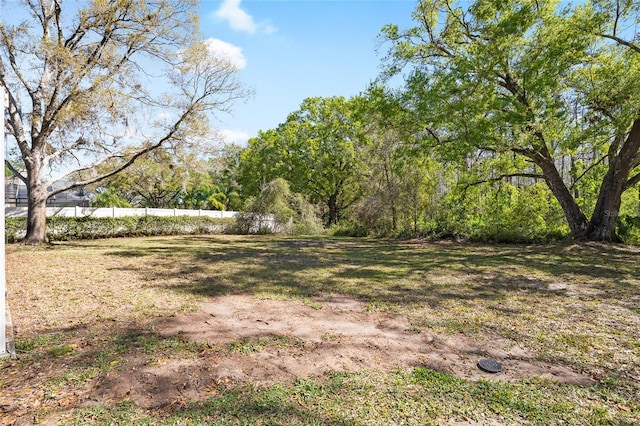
(273, 341)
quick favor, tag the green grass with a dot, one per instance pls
(572, 305)
(417, 397)
(31, 343)
(151, 343)
(246, 346)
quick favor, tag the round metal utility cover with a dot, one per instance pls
(489, 365)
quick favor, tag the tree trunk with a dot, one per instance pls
(333, 210)
(37, 212)
(394, 216)
(603, 223)
(575, 217)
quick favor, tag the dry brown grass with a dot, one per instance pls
(76, 305)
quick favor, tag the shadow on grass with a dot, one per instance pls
(456, 287)
(396, 272)
(392, 271)
(273, 405)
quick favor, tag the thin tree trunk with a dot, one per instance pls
(394, 216)
(333, 210)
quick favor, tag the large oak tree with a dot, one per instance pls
(89, 82)
(317, 150)
(532, 80)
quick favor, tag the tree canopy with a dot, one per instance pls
(316, 150)
(96, 81)
(165, 179)
(514, 120)
(525, 87)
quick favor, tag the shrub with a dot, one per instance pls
(347, 228)
(277, 209)
(501, 213)
(109, 198)
(629, 229)
(71, 228)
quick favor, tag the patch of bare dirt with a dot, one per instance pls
(304, 341)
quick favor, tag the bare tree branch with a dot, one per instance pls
(587, 170)
(504, 176)
(632, 181)
(15, 171)
(170, 135)
(621, 41)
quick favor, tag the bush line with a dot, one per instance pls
(84, 228)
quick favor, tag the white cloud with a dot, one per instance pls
(238, 19)
(234, 136)
(269, 29)
(227, 50)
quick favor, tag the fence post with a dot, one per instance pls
(3, 284)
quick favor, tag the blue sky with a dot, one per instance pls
(289, 50)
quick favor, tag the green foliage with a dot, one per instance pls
(512, 116)
(587, 179)
(109, 198)
(277, 209)
(525, 88)
(274, 199)
(629, 229)
(69, 228)
(307, 220)
(500, 213)
(349, 228)
(204, 195)
(225, 176)
(164, 179)
(400, 177)
(15, 229)
(156, 180)
(316, 150)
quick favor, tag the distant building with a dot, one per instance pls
(15, 195)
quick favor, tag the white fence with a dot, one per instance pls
(119, 212)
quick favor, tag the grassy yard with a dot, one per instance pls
(84, 311)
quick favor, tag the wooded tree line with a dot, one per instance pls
(515, 120)
(170, 179)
